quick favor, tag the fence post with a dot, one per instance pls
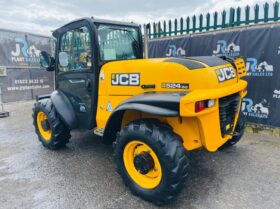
(247, 15)
(276, 10)
(208, 21)
(224, 15)
(175, 26)
(200, 22)
(159, 30)
(170, 27)
(149, 31)
(181, 26)
(257, 8)
(154, 30)
(194, 23)
(188, 25)
(231, 17)
(266, 8)
(164, 28)
(238, 16)
(215, 20)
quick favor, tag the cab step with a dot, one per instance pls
(98, 131)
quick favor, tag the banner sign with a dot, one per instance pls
(260, 47)
(20, 75)
(25, 84)
(21, 49)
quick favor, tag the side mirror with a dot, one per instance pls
(46, 61)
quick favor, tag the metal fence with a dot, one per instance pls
(209, 22)
(260, 48)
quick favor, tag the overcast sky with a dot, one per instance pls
(42, 16)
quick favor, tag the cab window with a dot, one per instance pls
(75, 50)
(118, 42)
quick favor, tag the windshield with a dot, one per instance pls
(118, 42)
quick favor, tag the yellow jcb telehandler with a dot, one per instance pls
(153, 111)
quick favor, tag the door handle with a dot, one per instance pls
(148, 86)
(88, 85)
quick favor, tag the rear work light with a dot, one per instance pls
(201, 105)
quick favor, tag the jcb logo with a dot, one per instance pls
(125, 79)
(224, 74)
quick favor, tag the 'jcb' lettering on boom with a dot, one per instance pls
(125, 79)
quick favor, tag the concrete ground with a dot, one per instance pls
(83, 175)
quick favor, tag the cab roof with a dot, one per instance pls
(94, 20)
(114, 22)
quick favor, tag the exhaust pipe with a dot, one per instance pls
(146, 49)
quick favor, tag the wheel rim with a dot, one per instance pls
(46, 134)
(136, 155)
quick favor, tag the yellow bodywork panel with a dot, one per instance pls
(187, 128)
(122, 80)
(157, 72)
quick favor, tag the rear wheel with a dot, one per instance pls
(151, 160)
(238, 132)
(51, 131)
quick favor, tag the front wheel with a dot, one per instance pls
(51, 131)
(151, 159)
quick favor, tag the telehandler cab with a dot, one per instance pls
(153, 111)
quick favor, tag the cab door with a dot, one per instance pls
(75, 70)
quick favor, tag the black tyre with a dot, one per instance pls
(51, 131)
(151, 159)
(238, 132)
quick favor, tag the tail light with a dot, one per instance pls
(244, 90)
(201, 105)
